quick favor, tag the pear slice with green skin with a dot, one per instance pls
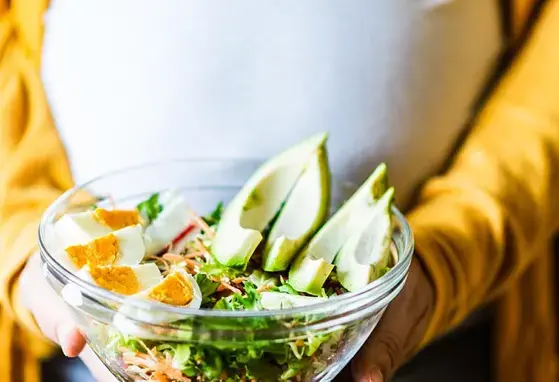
(303, 213)
(308, 273)
(279, 300)
(259, 201)
(313, 265)
(366, 254)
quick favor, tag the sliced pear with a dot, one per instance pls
(313, 265)
(308, 273)
(303, 213)
(259, 201)
(366, 254)
(259, 278)
(279, 300)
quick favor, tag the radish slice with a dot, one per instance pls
(189, 228)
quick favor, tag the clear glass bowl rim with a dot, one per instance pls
(374, 290)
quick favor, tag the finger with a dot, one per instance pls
(69, 338)
(382, 353)
(398, 333)
(97, 368)
(49, 310)
(375, 375)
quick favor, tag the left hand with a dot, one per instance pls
(400, 330)
(54, 319)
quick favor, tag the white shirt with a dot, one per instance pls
(391, 80)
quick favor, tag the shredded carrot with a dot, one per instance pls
(136, 360)
(231, 288)
(193, 255)
(202, 248)
(156, 259)
(264, 287)
(161, 369)
(173, 257)
(160, 377)
(202, 224)
(169, 371)
(191, 262)
(151, 354)
(170, 247)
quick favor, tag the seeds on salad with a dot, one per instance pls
(101, 251)
(175, 290)
(116, 219)
(121, 279)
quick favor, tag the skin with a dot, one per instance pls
(54, 319)
(400, 332)
(395, 339)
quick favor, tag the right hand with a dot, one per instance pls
(54, 319)
(400, 330)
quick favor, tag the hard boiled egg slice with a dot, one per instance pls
(122, 247)
(169, 224)
(178, 289)
(123, 279)
(81, 228)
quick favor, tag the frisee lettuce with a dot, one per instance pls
(214, 217)
(150, 208)
(207, 286)
(248, 301)
(217, 270)
(285, 287)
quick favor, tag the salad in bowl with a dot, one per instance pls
(269, 283)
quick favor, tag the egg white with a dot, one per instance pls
(79, 229)
(169, 224)
(131, 245)
(128, 320)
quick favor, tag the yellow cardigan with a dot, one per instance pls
(483, 229)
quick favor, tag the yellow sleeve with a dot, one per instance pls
(33, 165)
(478, 226)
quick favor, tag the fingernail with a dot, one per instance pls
(376, 376)
(70, 340)
(62, 334)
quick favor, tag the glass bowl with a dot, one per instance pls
(311, 343)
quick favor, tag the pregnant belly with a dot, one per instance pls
(391, 81)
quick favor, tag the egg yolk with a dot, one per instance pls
(175, 289)
(116, 219)
(117, 278)
(101, 251)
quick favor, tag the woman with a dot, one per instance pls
(247, 78)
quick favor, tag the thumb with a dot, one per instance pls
(380, 356)
(49, 310)
(399, 332)
(69, 338)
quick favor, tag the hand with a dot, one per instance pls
(400, 330)
(54, 319)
